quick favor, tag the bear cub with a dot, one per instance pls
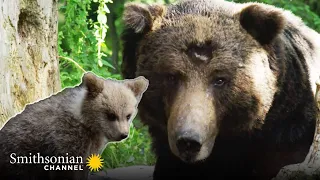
(76, 122)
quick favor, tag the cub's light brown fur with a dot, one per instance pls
(78, 121)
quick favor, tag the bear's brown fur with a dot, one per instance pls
(231, 86)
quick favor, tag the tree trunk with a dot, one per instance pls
(29, 68)
(314, 5)
(114, 35)
(311, 165)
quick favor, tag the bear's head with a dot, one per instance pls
(110, 105)
(211, 65)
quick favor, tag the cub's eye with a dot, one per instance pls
(128, 116)
(111, 117)
(219, 82)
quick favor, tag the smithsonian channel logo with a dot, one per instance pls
(59, 163)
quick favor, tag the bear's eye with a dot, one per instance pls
(111, 117)
(128, 116)
(219, 82)
(171, 78)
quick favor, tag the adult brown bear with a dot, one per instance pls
(231, 86)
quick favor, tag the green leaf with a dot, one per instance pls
(102, 18)
(100, 63)
(106, 9)
(131, 158)
(106, 63)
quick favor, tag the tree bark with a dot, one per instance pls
(311, 165)
(29, 68)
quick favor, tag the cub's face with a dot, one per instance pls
(113, 104)
(118, 107)
(210, 73)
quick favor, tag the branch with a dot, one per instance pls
(74, 62)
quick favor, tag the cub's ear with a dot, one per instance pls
(262, 22)
(142, 17)
(137, 85)
(93, 84)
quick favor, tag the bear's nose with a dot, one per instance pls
(188, 144)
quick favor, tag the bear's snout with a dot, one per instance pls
(192, 124)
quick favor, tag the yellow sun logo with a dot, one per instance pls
(94, 162)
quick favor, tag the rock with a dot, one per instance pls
(125, 173)
(102, 175)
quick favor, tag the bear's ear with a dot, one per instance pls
(93, 84)
(138, 19)
(262, 22)
(142, 17)
(137, 85)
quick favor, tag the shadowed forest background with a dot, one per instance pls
(89, 40)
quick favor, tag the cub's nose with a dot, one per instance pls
(123, 136)
(189, 145)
